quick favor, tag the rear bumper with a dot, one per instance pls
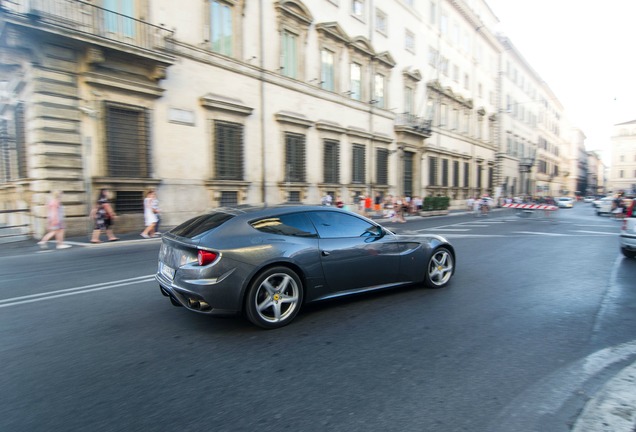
(191, 300)
(628, 241)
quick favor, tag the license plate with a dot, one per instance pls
(167, 271)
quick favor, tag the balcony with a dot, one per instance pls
(413, 122)
(88, 22)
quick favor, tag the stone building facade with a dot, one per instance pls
(230, 102)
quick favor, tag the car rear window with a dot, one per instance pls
(201, 224)
(296, 225)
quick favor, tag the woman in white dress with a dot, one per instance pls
(150, 215)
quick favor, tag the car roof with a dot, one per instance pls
(266, 210)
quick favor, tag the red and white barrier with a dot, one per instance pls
(531, 206)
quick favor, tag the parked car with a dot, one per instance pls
(588, 199)
(565, 202)
(268, 262)
(605, 206)
(628, 232)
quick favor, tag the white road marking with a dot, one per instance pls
(541, 233)
(73, 291)
(597, 232)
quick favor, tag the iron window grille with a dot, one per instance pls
(229, 198)
(466, 174)
(331, 161)
(228, 150)
(445, 172)
(127, 141)
(20, 141)
(358, 170)
(129, 202)
(432, 171)
(382, 166)
(408, 173)
(455, 174)
(294, 157)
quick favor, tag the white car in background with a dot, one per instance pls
(628, 235)
(565, 202)
(605, 206)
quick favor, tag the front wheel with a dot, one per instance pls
(628, 253)
(274, 298)
(440, 268)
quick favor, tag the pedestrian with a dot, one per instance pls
(150, 215)
(54, 222)
(339, 202)
(104, 217)
(470, 203)
(157, 211)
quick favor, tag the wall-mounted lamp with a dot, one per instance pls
(373, 101)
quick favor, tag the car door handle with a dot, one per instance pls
(325, 253)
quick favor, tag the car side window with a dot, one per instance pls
(336, 225)
(296, 224)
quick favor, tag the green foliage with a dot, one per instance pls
(436, 203)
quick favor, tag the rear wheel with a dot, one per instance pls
(274, 298)
(628, 253)
(440, 268)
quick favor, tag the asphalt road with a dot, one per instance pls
(539, 315)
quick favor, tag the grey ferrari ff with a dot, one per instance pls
(266, 262)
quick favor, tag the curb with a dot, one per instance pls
(613, 407)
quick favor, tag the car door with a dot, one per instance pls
(355, 253)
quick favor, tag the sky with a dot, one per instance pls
(585, 50)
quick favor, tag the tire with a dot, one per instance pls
(440, 268)
(274, 298)
(628, 253)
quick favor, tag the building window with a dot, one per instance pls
(443, 65)
(432, 13)
(409, 41)
(129, 202)
(381, 22)
(466, 174)
(479, 169)
(443, 121)
(378, 90)
(445, 172)
(20, 140)
(408, 173)
(358, 169)
(408, 100)
(294, 157)
(228, 199)
(455, 174)
(357, 8)
(432, 56)
(356, 81)
(382, 166)
(228, 150)
(289, 51)
(327, 70)
(119, 17)
(127, 141)
(331, 162)
(432, 171)
(221, 28)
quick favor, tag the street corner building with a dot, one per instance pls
(228, 102)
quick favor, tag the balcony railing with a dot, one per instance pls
(417, 123)
(86, 18)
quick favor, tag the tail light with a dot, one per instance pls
(206, 257)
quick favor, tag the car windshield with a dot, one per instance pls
(201, 224)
